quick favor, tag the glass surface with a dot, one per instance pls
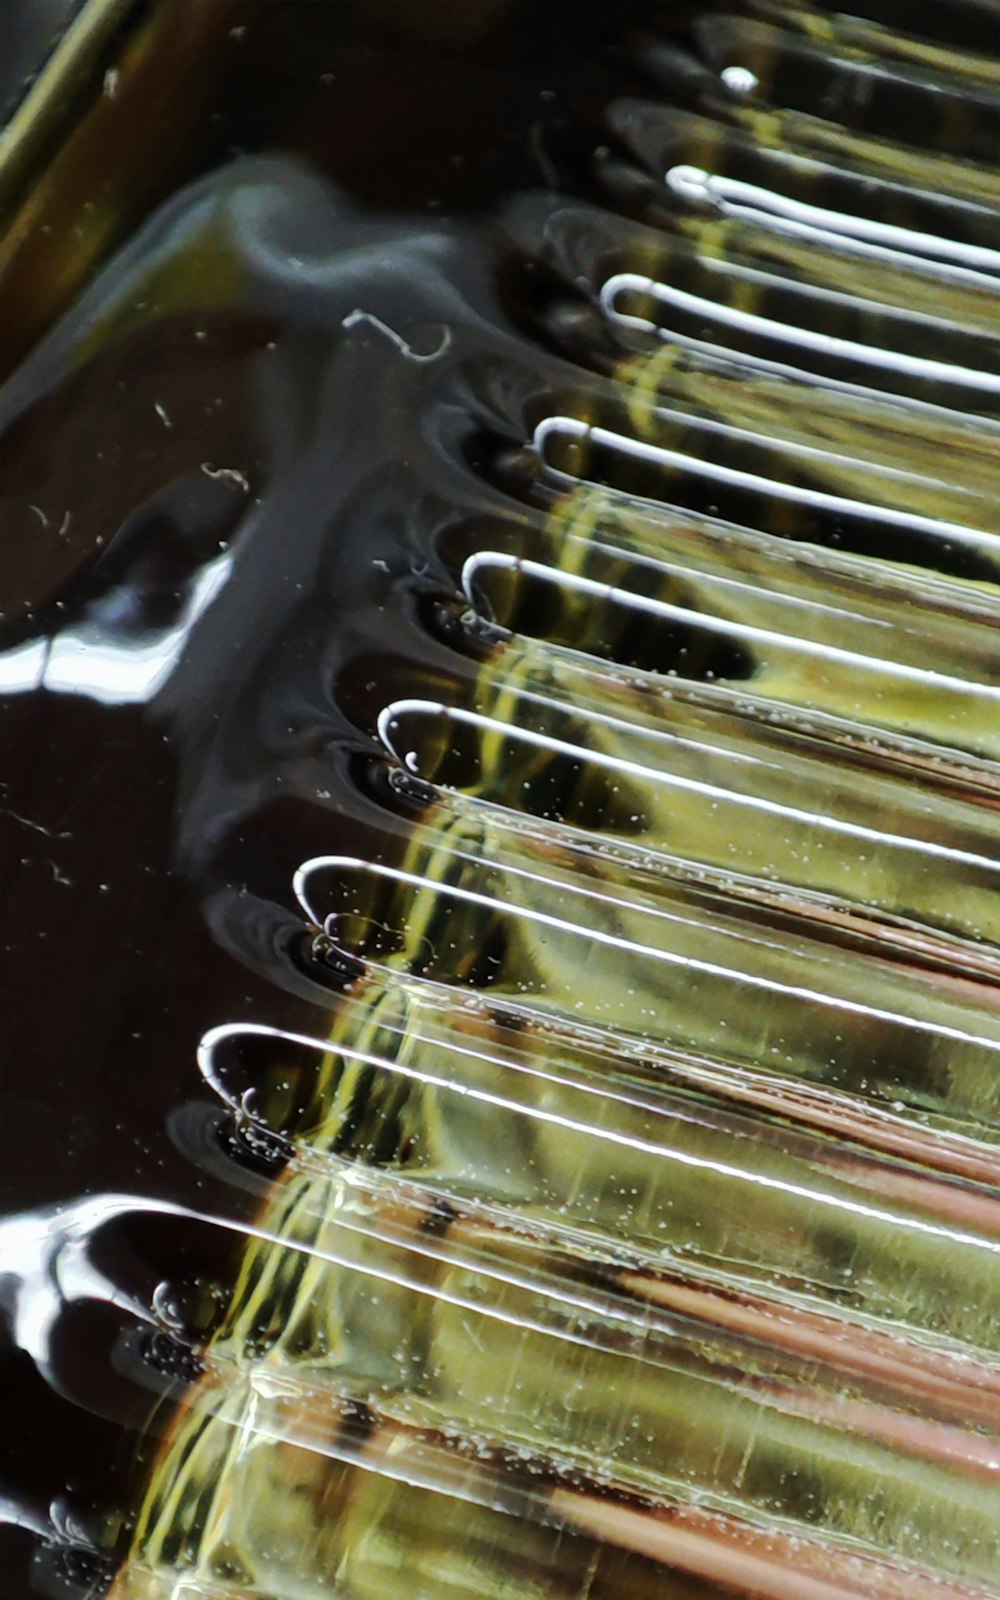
(502, 748)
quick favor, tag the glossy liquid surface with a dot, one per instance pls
(546, 552)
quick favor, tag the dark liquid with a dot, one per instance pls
(313, 307)
(149, 845)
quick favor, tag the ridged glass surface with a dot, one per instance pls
(618, 1175)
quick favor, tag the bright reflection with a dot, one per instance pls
(84, 659)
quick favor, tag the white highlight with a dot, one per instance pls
(786, 333)
(594, 935)
(659, 455)
(733, 197)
